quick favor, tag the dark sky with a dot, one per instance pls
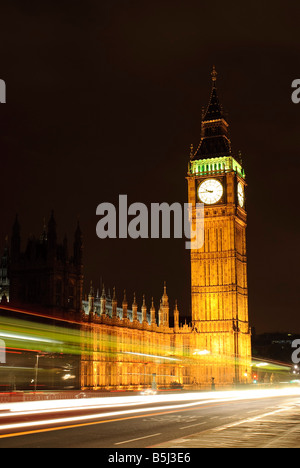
(104, 98)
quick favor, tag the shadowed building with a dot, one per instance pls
(45, 276)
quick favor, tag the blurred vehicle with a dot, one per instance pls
(149, 391)
(81, 395)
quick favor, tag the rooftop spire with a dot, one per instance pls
(214, 109)
(165, 299)
(134, 300)
(214, 75)
(215, 140)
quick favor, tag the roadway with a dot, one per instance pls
(174, 420)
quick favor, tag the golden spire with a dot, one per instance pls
(134, 300)
(144, 310)
(165, 296)
(152, 314)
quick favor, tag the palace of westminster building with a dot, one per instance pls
(131, 347)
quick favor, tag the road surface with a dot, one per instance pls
(176, 420)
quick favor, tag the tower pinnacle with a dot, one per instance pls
(215, 141)
(214, 75)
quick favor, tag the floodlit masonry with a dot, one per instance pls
(122, 348)
(130, 349)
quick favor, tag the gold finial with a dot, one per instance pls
(214, 74)
(191, 150)
(134, 299)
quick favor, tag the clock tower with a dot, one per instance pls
(219, 269)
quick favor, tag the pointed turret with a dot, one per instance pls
(134, 309)
(160, 315)
(176, 316)
(103, 301)
(165, 298)
(91, 301)
(125, 306)
(144, 310)
(165, 306)
(152, 313)
(114, 304)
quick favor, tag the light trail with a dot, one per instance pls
(88, 417)
(180, 402)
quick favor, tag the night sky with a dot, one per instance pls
(105, 97)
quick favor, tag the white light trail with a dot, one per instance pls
(152, 356)
(181, 401)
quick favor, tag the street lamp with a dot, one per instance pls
(36, 371)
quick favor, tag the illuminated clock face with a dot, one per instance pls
(241, 195)
(210, 191)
